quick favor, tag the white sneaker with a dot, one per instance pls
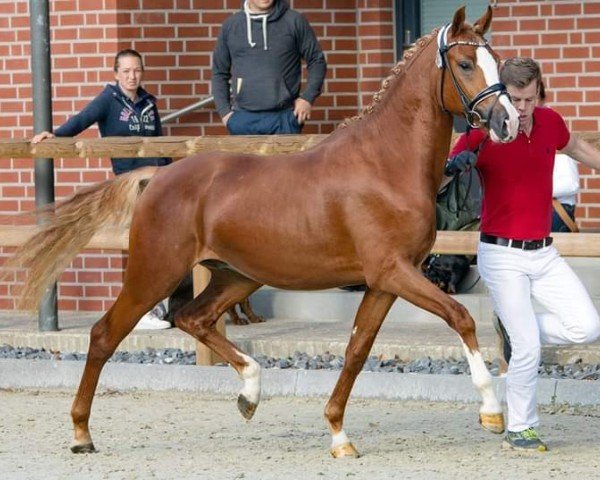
(150, 321)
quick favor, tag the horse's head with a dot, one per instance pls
(470, 84)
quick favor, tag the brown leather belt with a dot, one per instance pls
(521, 244)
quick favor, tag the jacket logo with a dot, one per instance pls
(125, 115)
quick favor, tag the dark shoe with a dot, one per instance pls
(527, 441)
(504, 341)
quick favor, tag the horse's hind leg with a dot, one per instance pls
(105, 336)
(199, 317)
(407, 282)
(371, 313)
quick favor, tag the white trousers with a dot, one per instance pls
(514, 277)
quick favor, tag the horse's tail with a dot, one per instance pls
(69, 225)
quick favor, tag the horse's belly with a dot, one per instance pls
(295, 268)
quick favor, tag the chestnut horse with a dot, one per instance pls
(357, 208)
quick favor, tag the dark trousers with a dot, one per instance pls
(557, 224)
(243, 122)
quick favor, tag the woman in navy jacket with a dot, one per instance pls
(124, 109)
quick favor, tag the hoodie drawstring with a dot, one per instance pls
(252, 16)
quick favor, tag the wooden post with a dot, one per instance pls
(204, 355)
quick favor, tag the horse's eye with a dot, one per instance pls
(465, 66)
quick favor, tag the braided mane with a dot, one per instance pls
(399, 69)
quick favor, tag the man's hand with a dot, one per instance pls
(460, 162)
(302, 110)
(226, 118)
(41, 136)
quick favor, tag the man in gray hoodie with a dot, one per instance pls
(258, 58)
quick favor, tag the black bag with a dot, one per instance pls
(458, 204)
(446, 271)
(458, 207)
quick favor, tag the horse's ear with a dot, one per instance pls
(483, 24)
(458, 21)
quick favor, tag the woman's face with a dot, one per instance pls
(129, 74)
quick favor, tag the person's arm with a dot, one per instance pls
(76, 124)
(92, 113)
(582, 151)
(311, 53)
(221, 75)
(565, 178)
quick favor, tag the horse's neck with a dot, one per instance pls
(408, 129)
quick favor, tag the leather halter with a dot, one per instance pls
(474, 119)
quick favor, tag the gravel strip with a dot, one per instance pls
(303, 361)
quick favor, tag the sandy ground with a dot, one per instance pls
(184, 436)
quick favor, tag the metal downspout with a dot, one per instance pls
(42, 120)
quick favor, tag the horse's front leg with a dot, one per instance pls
(407, 282)
(371, 313)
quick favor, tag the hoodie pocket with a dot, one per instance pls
(262, 93)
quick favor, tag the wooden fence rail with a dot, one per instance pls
(176, 147)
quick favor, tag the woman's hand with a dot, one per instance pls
(41, 136)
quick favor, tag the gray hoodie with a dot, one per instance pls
(260, 56)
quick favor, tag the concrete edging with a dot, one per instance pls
(19, 374)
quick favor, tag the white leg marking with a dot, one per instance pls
(482, 379)
(338, 439)
(251, 377)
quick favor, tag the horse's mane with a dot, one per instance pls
(397, 71)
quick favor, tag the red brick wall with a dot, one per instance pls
(565, 38)
(176, 38)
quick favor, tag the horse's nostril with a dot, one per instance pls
(505, 129)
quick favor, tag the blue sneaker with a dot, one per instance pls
(525, 441)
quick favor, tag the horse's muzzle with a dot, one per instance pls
(503, 121)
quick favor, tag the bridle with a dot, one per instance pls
(473, 117)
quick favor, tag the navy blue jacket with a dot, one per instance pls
(117, 115)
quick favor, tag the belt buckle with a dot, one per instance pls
(533, 245)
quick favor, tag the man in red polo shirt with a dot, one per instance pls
(515, 255)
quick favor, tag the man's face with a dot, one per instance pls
(524, 100)
(260, 6)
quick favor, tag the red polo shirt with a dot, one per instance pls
(517, 177)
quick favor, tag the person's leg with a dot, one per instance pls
(288, 123)
(506, 273)
(282, 122)
(253, 123)
(571, 316)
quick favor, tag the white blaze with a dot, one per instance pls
(490, 72)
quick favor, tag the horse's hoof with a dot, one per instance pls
(344, 450)
(246, 407)
(84, 448)
(492, 422)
